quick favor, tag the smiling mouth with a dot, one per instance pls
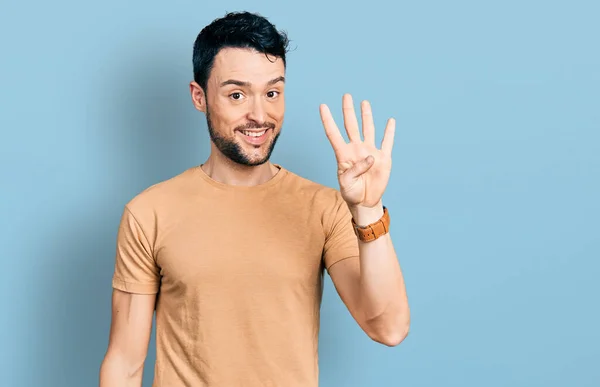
(253, 133)
(255, 137)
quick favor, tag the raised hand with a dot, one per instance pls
(363, 169)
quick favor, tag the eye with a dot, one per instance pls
(236, 96)
(272, 94)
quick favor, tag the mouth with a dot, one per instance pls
(254, 137)
(253, 133)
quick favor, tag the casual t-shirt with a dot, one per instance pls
(238, 273)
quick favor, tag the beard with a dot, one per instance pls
(233, 150)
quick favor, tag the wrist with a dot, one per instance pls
(364, 216)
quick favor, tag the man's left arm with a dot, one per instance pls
(372, 286)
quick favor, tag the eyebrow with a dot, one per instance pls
(247, 84)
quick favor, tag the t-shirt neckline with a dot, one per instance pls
(217, 184)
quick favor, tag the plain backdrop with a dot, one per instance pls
(494, 195)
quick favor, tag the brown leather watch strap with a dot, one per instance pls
(374, 230)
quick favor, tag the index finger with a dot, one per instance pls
(331, 129)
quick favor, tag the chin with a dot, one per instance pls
(258, 154)
(257, 158)
(256, 163)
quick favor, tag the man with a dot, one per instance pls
(231, 253)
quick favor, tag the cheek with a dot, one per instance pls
(227, 117)
(278, 110)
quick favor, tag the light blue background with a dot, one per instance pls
(494, 195)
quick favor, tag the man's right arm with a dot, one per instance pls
(130, 330)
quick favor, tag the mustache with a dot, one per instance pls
(256, 125)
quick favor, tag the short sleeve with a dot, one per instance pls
(340, 240)
(136, 270)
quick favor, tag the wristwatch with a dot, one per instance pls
(374, 230)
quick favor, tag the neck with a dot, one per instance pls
(225, 171)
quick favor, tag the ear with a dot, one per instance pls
(198, 96)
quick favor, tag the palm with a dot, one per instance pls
(365, 188)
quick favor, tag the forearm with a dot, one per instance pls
(115, 372)
(382, 299)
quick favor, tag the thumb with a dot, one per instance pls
(361, 167)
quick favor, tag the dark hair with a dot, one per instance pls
(237, 30)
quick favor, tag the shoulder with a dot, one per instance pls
(162, 194)
(319, 194)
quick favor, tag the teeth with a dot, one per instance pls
(254, 134)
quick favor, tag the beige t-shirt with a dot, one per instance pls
(238, 273)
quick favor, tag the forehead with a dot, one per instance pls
(246, 64)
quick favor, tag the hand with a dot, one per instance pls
(363, 170)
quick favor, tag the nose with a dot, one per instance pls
(257, 111)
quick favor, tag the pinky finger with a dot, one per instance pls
(388, 137)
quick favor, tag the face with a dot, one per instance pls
(244, 104)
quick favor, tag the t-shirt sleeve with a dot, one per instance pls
(136, 270)
(340, 240)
